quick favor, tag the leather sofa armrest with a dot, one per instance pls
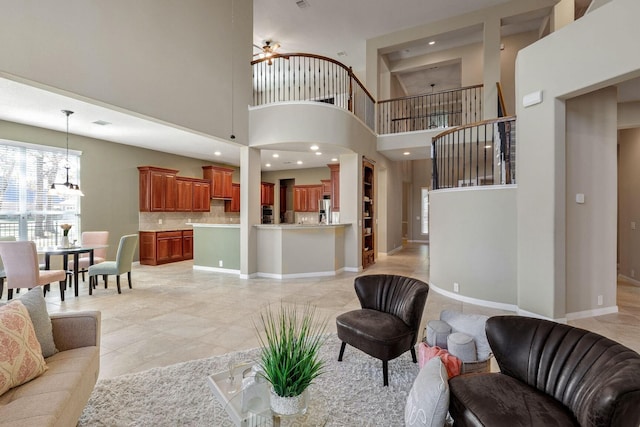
(76, 329)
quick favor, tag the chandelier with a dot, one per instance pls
(66, 188)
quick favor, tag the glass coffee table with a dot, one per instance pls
(251, 408)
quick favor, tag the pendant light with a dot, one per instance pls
(67, 188)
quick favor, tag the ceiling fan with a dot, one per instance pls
(267, 51)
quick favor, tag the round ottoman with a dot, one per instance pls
(462, 346)
(437, 333)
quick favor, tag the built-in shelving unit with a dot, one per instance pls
(368, 214)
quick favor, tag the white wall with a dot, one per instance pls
(171, 61)
(600, 44)
(473, 242)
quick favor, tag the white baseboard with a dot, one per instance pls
(629, 279)
(475, 301)
(300, 275)
(216, 269)
(592, 313)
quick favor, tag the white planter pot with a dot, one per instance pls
(295, 405)
(65, 241)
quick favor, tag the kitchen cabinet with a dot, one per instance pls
(201, 195)
(161, 247)
(233, 205)
(266, 193)
(162, 190)
(368, 214)
(326, 187)
(305, 197)
(335, 187)
(184, 191)
(220, 179)
(157, 189)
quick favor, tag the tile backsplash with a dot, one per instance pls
(151, 221)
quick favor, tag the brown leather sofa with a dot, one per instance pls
(551, 375)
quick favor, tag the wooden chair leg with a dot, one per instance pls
(118, 283)
(128, 277)
(385, 373)
(63, 285)
(342, 347)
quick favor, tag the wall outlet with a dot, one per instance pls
(160, 221)
(633, 225)
(600, 300)
(456, 287)
(220, 263)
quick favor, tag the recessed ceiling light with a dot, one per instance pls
(275, 156)
(101, 123)
(406, 153)
(432, 42)
(217, 153)
(318, 153)
(334, 159)
(299, 162)
(314, 147)
(268, 165)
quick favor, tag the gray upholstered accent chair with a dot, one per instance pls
(122, 264)
(388, 323)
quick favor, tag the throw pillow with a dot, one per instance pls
(428, 400)
(37, 308)
(470, 324)
(20, 354)
(451, 362)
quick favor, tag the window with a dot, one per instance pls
(27, 211)
(425, 210)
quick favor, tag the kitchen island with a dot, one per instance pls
(300, 250)
(216, 247)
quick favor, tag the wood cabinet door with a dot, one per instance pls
(233, 205)
(266, 193)
(187, 244)
(170, 193)
(315, 194)
(144, 191)
(335, 187)
(227, 184)
(163, 250)
(157, 191)
(147, 248)
(175, 248)
(201, 193)
(326, 187)
(300, 199)
(184, 190)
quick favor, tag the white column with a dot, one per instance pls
(250, 172)
(491, 67)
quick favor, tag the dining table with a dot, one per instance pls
(65, 252)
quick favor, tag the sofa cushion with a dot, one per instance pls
(20, 354)
(495, 399)
(428, 400)
(37, 308)
(58, 396)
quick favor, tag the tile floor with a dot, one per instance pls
(175, 313)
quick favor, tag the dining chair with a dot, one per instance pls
(122, 264)
(22, 270)
(2, 274)
(89, 238)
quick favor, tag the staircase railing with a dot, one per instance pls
(307, 77)
(443, 109)
(482, 153)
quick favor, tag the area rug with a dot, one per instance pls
(350, 392)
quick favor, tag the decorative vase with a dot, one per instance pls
(65, 241)
(295, 405)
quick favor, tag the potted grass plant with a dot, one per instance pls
(290, 338)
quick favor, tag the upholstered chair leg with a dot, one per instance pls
(1, 286)
(413, 355)
(106, 279)
(91, 279)
(63, 285)
(385, 373)
(83, 279)
(128, 277)
(9, 294)
(342, 347)
(118, 283)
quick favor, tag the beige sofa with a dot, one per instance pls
(57, 397)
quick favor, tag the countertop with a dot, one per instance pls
(160, 230)
(299, 226)
(208, 225)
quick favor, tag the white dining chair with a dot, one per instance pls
(122, 264)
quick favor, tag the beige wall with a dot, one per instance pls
(591, 170)
(512, 45)
(609, 31)
(171, 61)
(629, 203)
(109, 177)
(421, 177)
